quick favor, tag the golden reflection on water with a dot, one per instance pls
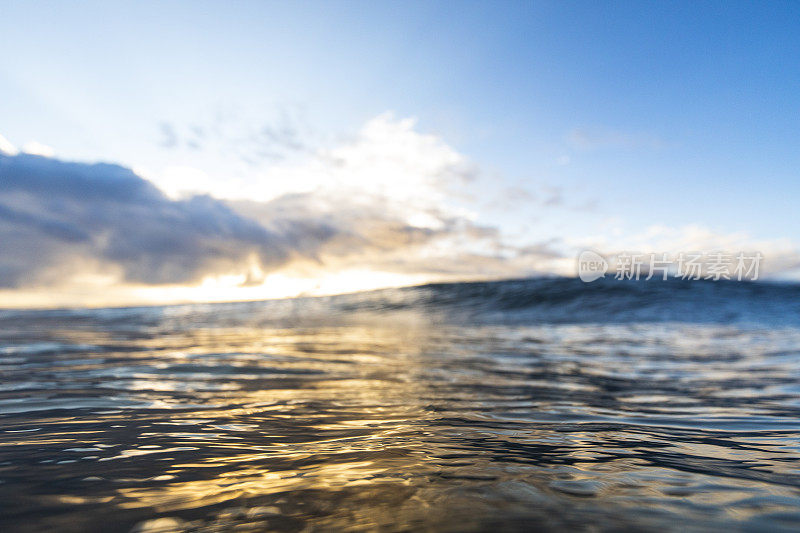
(377, 415)
(400, 424)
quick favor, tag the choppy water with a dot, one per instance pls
(538, 405)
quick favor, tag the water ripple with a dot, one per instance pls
(256, 416)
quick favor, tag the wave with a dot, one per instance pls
(571, 300)
(534, 300)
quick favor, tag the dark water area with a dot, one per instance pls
(547, 405)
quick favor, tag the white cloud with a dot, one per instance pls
(386, 159)
(37, 148)
(6, 147)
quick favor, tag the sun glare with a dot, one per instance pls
(278, 285)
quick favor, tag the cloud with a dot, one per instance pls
(169, 139)
(240, 139)
(387, 203)
(390, 199)
(384, 201)
(60, 219)
(37, 148)
(387, 157)
(6, 147)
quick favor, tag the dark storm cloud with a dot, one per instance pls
(55, 215)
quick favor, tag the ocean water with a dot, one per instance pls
(547, 405)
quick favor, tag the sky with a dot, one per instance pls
(269, 149)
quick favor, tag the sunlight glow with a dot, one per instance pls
(279, 285)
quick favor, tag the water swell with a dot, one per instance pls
(567, 300)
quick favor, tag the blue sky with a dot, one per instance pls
(637, 114)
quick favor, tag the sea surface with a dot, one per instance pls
(533, 405)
